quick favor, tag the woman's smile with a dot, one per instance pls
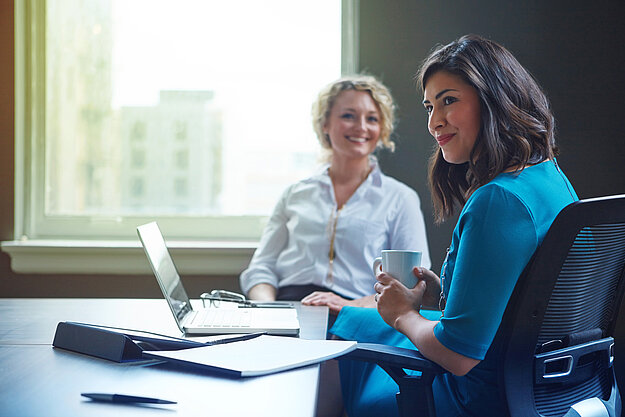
(357, 140)
(444, 139)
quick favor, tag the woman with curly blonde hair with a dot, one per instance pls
(326, 230)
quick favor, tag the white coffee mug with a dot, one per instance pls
(399, 264)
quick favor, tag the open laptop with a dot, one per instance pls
(279, 321)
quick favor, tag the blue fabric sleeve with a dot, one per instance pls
(367, 326)
(494, 239)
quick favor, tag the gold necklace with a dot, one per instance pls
(331, 254)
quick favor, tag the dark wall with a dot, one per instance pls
(574, 49)
(7, 115)
(6, 133)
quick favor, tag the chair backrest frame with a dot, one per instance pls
(516, 340)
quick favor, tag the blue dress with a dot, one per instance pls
(500, 227)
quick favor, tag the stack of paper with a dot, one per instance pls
(259, 356)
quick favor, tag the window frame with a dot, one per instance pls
(206, 245)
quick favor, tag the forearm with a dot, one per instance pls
(368, 302)
(262, 292)
(421, 332)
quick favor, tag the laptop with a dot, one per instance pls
(207, 321)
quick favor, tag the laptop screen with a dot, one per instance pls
(164, 269)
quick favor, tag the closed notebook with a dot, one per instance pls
(259, 356)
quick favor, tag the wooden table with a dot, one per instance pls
(38, 380)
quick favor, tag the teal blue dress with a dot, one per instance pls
(500, 227)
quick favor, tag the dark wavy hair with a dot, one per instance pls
(517, 125)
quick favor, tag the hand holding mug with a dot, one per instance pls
(399, 264)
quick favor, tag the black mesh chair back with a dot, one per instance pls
(556, 341)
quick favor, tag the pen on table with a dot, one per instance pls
(120, 398)
(267, 305)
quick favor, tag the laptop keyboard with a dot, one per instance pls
(217, 317)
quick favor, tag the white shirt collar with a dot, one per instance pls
(375, 177)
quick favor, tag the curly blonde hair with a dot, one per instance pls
(379, 93)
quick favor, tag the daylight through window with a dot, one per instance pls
(181, 111)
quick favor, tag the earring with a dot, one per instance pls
(328, 140)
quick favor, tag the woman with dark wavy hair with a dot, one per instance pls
(495, 161)
(517, 126)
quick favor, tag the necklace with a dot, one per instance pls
(443, 300)
(332, 253)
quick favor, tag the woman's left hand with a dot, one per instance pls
(395, 300)
(319, 298)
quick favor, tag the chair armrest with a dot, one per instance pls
(390, 356)
(573, 364)
(415, 397)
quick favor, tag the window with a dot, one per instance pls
(182, 159)
(195, 113)
(138, 130)
(136, 188)
(137, 158)
(181, 130)
(180, 188)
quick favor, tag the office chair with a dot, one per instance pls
(555, 343)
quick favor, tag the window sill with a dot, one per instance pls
(124, 257)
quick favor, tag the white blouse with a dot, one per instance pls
(294, 249)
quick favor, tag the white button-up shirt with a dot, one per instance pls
(383, 213)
